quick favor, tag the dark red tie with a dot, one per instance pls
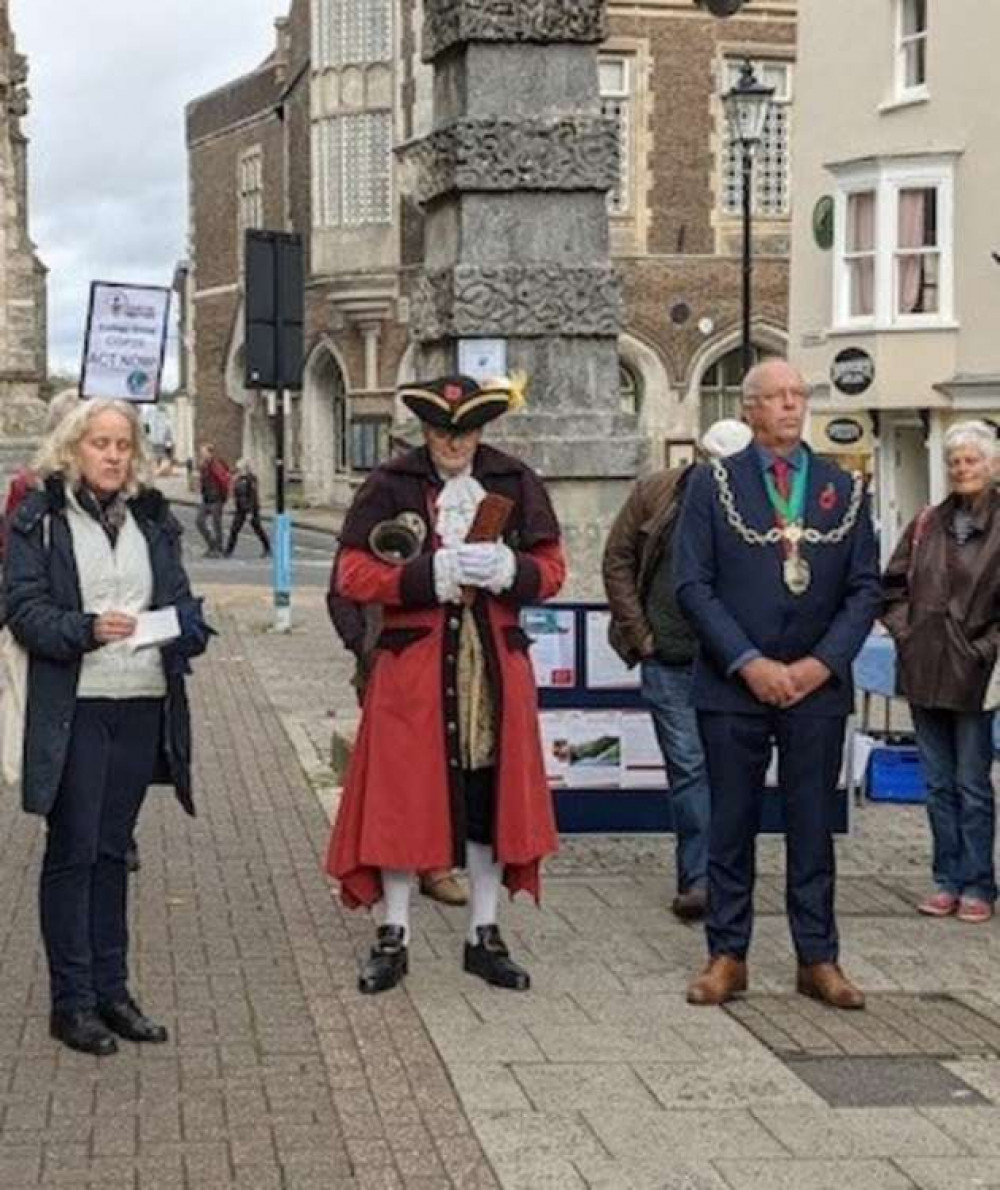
(781, 471)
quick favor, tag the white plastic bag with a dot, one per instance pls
(13, 707)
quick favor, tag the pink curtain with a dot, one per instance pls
(912, 209)
(861, 238)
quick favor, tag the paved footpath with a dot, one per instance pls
(280, 1075)
(277, 1074)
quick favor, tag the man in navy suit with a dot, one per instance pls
(776, 569)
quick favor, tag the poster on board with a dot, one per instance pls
(553, 646)
(605, 669)
(125, 342)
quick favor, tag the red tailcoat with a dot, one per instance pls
(403, 803)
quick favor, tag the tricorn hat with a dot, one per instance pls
(458, 404)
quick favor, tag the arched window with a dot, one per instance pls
(719, 395)
(629, 390)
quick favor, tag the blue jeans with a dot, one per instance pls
(667, 691)
(956, 749)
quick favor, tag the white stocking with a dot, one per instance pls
(396, 899)
(485, 877)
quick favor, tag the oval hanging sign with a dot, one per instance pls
(852, 371)
(845, 431)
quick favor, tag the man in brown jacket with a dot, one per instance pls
(648, 629)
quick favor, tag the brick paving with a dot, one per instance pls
(280, 1075)
(603, 1077)
(277, 1074)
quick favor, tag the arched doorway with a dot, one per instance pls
(720, 392)
(325, 428)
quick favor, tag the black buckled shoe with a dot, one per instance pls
(83, 1031)
(388, 962)
(490, 960)
(128, 1021)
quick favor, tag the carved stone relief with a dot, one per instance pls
(448, 22)
(526, 300)
(574, 153)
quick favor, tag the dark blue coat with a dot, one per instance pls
(44, 612)
(734, 595)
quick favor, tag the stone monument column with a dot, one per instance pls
(513, 178)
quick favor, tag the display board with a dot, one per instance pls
(602, 758)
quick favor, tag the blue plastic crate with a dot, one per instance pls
(895, 775)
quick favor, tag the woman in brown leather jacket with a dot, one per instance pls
(942, 606)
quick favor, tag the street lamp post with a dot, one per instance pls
(747, 104)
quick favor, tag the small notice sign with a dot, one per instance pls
(125, 342)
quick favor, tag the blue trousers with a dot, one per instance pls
(84, 884)
(956, 751)
(666, 690)
(738, 752)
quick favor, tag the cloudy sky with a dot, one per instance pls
(109, 80)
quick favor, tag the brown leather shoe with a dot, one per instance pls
(826, 982)
(691, 905)
(443, 887)
(723, 978)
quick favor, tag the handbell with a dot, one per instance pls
(398, 540)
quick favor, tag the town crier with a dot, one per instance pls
(451, 539)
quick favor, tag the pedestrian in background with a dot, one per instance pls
(213, 478)
(648, 629)
(91, 549)
(942, 607)
(776, 569)
(246, 503)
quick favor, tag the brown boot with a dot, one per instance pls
(722, 979)
(826, 982)
(442, 886)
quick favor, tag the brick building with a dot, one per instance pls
(308, 142)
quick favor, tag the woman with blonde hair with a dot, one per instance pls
(942, 606)
(92, 550)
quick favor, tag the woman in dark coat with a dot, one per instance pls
(942, 591)
(89, 552)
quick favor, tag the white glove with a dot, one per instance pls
(447, 580)
(489, 564)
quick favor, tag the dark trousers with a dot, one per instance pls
(738, 751)
(84, 884)
(236, 525)
(210, 511)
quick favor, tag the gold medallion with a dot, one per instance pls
(797, 574)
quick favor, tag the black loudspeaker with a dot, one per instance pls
(275, 290)
(722, 8)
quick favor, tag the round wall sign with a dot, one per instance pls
(845, 431)
(823, 223)
(852, 371)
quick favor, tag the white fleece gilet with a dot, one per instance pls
(118, 579)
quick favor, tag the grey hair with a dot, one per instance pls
(751, 387)
(975, 434)
(59, 453)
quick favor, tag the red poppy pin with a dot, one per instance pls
(828, 498)
(452, 393)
